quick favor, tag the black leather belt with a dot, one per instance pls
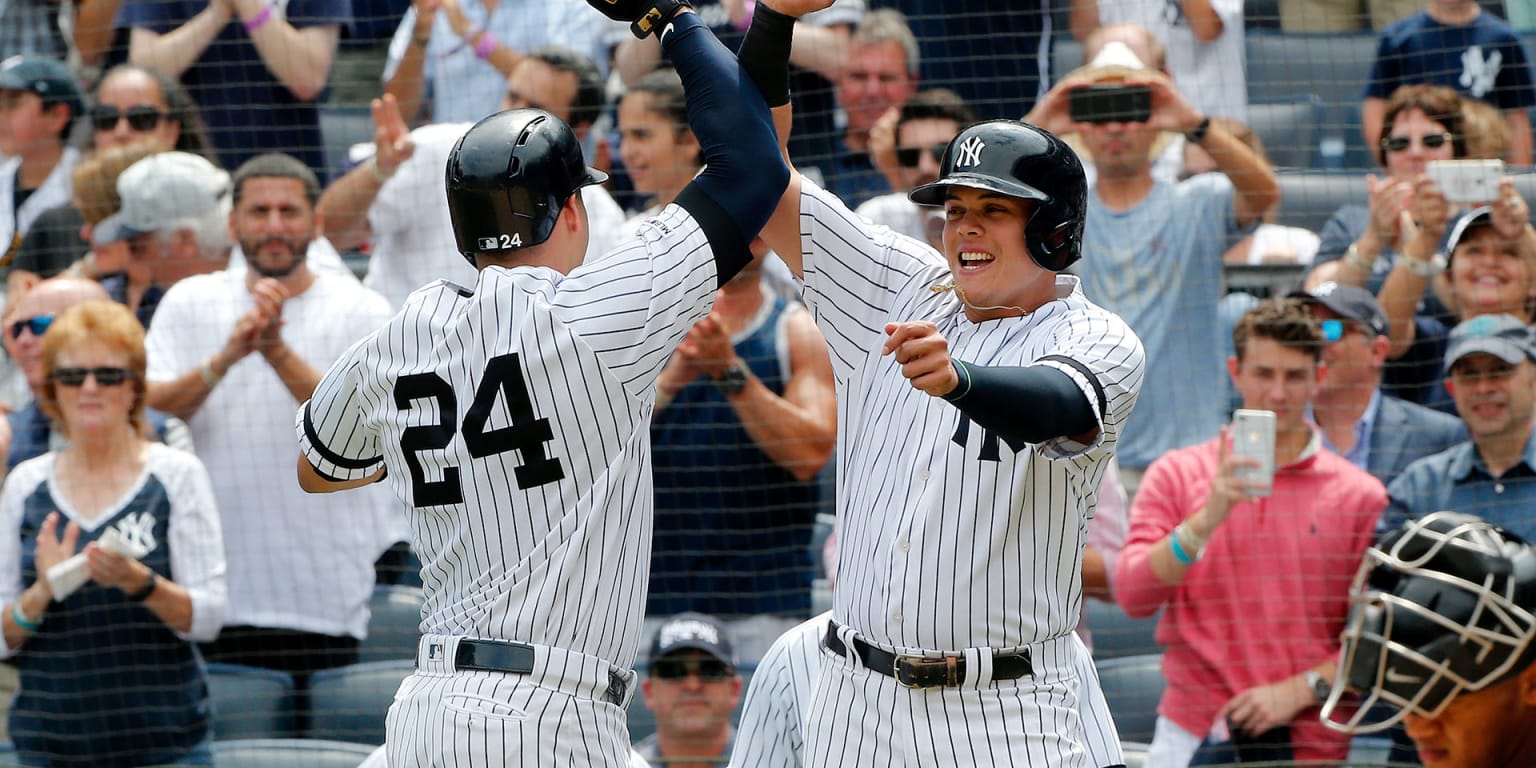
(922, 672)
(517, 659)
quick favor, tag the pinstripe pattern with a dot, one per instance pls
(561, 563)
(950, 542)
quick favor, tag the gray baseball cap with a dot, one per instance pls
(159, 190)
(1503, 336)
(1348, 301)
(50, 79)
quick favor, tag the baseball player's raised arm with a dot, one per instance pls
(338, 448)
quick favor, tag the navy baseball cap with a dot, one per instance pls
(1350, 302)
(50, 79)
(1477, 217)
(1503, 336)
(693, 631)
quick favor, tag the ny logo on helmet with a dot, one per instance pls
(970, 152)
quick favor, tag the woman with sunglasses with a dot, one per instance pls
(134, 103)
(109, 671)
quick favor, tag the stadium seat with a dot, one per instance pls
(350, 703)
(341, 128)
(1066, 54)
(285, 753)
(250, 702)
(1333, 67)
(1135, 753)
(1133, 685)
(1116, 634)
(1288, 130)
(394, 624)
(1308, 199)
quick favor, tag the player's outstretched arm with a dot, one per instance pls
(744, 174)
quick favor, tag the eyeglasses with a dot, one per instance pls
(141, 117)
(1401, 143)
(105, 377)
(908, 157)
(706, 670)
(37, 325)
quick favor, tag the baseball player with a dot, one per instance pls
(1443, 634)
(963, 515)
(512, 418)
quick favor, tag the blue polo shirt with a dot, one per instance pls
(1457, 479)
(247, 110)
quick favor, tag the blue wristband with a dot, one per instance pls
(1178, 549)
(22, 620)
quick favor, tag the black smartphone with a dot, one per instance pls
(1271, 745)
(1110, 104)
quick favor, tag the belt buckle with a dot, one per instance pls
(907, 667)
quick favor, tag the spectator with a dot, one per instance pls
(1491, 270)
(1269, 243)
(1152, 251)
(1456, 44)
(1105, 61)
(995, 53)
(1204, 41)
(1375, 432)
(691, 688)
(258, 80)
(658, 149)
(1486, 136)
(1254, 588)
(906, 146)
(449, 61)
(746, 417)
(39, 101)
(879, 74)
(109, 674)
(28, 432)
(1342, 15)
(1493, 475)
(174, 220)
(397, 200)
(1443, 635)
(234, 353)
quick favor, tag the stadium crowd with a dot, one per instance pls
(192, 235)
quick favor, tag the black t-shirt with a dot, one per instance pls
(52, 244)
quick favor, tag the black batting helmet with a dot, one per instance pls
(508, 178)
(1441, 606)
(1019, 160)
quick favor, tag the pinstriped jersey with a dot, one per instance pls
(513, 420)
(953, 538)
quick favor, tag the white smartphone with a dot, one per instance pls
(1253, 436)
(1467, 181)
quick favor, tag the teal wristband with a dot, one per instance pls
(1178, 548)
(22, 620)
(963, 386)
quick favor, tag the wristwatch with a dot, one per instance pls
(733, 379)
(147, 590)
(1317, 685)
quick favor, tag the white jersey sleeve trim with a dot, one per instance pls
(336, 409)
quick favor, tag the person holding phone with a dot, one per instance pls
(1253, 588)
(1153, 250)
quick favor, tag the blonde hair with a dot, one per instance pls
(104, 321)
(95, 179)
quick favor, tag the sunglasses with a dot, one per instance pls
(706, 670)
(1333, 330)
(37, 325)
(1401, 143)
(908, 157)
(105, 377)
(141, 117)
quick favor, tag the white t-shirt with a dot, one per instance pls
(413, 235)
(1211, 75)
(296, 560)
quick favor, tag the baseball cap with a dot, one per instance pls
(1503, 336)
(1115, 61)
(159, 190)
(1348, 301)
(49, 78)
(693, 631)
(1477, 217)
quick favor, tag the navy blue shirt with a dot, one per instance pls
(733, 528)
(1483, 60)
(247, 110)
(995, 53)
(1458, 480)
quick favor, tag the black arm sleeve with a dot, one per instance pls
(744, 174)
(1029, 404)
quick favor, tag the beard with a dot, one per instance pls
(255, 260)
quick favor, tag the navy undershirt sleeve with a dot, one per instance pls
(1028, 404)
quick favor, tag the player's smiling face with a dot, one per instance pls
(984, 243)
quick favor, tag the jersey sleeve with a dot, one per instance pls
(333, 431)
(853, 271)
(634, 305)
(1106, 360)
(197, 548)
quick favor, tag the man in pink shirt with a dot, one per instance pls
(1256, 588)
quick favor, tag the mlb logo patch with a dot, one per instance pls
(434, 651)
(487, 243)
